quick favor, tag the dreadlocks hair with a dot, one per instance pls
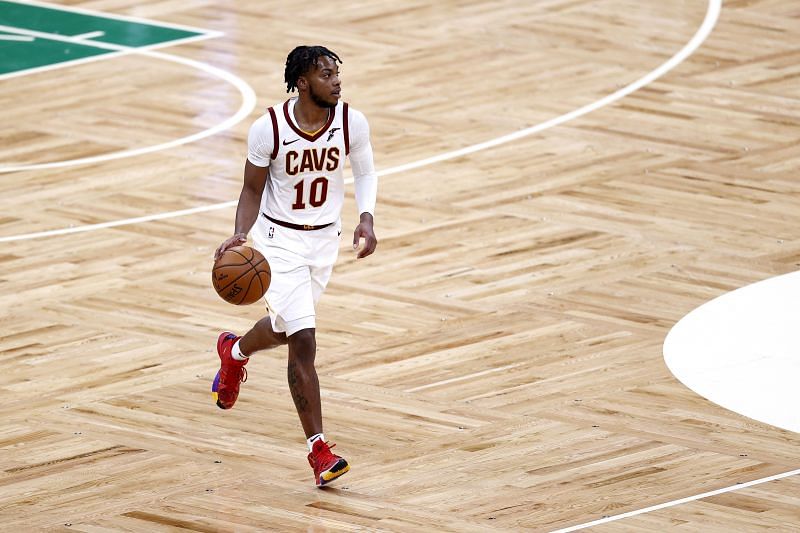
(301, 60)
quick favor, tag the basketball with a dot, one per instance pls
(241, 275)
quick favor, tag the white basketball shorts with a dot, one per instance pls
(301, 264)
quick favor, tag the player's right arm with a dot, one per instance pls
(255, 178)
(256, 169)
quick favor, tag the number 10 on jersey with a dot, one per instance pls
(317, 193)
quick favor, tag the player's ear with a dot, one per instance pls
(302, 83)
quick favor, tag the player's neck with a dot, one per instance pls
(309, 116)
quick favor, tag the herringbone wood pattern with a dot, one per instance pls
(496, 365)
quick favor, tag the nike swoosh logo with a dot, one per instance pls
(290, 142)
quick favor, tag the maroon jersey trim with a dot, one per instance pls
(300, 132)
(346, 132)
(275, 139)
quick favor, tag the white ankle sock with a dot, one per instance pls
(313, 438)
(236, 352)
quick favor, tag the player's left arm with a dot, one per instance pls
(366, 183)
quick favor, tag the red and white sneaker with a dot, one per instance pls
(225, 388)
(327, 466)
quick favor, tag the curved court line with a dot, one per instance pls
(247, 92)
(712, 15)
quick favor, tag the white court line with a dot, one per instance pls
(69, 39)
(712, 14)
(74, 62)
(21, 38)
(248, 100)
(114, 16)
(90, 35)
(115, 223)
(673, 503)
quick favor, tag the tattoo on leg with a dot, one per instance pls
(300, 401)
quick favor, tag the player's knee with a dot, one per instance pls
(303, 344)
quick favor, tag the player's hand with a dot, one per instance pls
(238, 239)
(364, 230)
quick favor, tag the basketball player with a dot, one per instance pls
(292, 197)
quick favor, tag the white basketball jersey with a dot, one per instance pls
(306, 183)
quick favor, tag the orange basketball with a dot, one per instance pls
(241, 275)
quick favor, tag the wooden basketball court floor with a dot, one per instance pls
(495, 366)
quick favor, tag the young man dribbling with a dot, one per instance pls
(291, 199)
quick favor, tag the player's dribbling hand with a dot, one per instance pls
(364, 230)
(237, 239)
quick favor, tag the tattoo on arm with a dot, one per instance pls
(300, 401)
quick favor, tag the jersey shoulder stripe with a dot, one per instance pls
(275, 137)
(346, 129)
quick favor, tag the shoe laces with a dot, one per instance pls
(242, 374)
(325, 453)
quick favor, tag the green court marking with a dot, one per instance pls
(62, 22)
(21, 55)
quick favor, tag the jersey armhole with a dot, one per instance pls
(345, 126)
(275, 139)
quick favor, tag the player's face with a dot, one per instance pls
(324, 86)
